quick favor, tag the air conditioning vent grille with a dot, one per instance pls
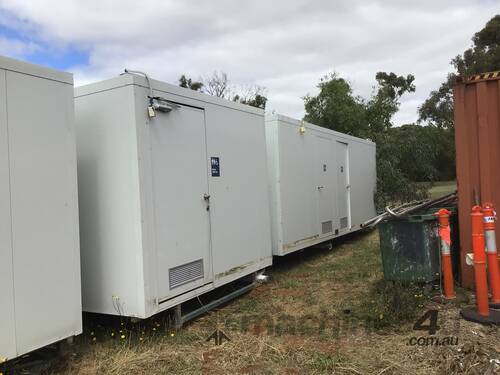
(185, 273)
(326, 227)
(343, 222)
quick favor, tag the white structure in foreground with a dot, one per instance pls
(322, 183)
(39, 248)
(171, 206)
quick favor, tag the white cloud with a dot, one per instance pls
(284, 45)
(17, 48)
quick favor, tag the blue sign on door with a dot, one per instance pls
(215, 162)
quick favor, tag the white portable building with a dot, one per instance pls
(173, 194)
(322, 183)
(40, 300)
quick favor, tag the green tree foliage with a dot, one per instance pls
(256, 100)
(385, 102)
(417, 151)
(437, 110)
(393, 184)
(425, 153)
(482, 56)
(188, 83)
(336, 107)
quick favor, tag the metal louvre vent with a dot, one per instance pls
(343, 222)
(326, 227)
(186, 273)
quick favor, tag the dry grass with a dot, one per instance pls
(317, 315)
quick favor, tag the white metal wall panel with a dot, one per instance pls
(7, 319)
(273, 178)
(44, 210)
(241, 234)
(298, 188)
(110, 207)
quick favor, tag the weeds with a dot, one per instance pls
(390, 304)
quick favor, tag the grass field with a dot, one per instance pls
(442, 188)
(322, 312)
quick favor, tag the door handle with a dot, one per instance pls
(320, 187)
(206, 198)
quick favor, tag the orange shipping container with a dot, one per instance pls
(477, 140)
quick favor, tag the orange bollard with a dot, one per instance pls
(445, 235)
(489, 219)
(482, 313)
(479, 261)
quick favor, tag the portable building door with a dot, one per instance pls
(325, 184)
(181, 200)
(343, 187)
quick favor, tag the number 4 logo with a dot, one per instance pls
(432, 327)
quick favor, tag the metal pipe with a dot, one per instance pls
(407, 208)
(138, 72)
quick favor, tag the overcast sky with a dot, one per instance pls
(286, 46)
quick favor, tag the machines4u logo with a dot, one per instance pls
(429, 323)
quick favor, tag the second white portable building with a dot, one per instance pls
(322, 183)
(171, 206)
(40, 286)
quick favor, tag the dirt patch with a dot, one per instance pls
(259, 291)
(250, 369)
(288, 292)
